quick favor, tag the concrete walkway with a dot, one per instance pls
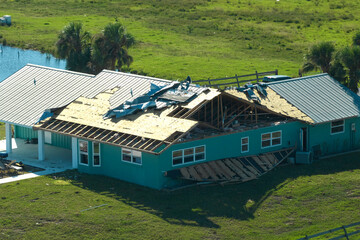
(56, 159)
(29, 175)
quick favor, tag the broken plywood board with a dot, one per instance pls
(275, 103)
(203, 96)
(154, 124)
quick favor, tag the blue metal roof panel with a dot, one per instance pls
(320, 97)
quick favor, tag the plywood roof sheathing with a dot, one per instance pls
(194, 110)
(273, 103)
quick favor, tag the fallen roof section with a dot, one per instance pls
(239, 169)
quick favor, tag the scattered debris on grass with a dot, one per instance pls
(12, 168)
(102, 205)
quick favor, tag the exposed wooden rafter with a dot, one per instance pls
(104, 135)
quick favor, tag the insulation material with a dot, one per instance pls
(275, 103)
(152, 124)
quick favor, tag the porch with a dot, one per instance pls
(56, 158)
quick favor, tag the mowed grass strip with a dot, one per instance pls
(203, 38)
(2, 131)
(287, 203)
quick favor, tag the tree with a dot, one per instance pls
(350, 58)
(74, 45)
(356, 39)
(110, 48)
(319, 56)
(337, 71)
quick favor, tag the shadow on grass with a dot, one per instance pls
(195, 206)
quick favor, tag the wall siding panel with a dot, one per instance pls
(24, 133)
(57, 140)
(62, 141)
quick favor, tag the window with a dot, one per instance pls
(188, 155)
(131, 156)
(270, 139)
(337, 127)
(83, 151)
(200, 153)
(96, 154)
(244, 144)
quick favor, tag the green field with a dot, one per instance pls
(2, 131)
(287, 203)
(200, 38)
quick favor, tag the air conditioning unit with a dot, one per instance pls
(303, 157)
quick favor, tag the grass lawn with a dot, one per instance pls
(2, 131)
(287, 203)
(202, 38)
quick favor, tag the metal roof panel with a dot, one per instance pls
(320, 97)
(24, 100)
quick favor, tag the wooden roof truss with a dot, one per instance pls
(107, 136)
(226, 110)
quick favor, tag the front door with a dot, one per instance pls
(303, 139)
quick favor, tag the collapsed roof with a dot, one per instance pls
(150, 114)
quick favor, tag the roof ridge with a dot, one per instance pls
(297, 79)
(60, 70)
(137, 75)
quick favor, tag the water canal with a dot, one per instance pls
(12, 59)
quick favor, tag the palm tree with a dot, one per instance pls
(350, 58)
(110, 48)
(356, 39)
(74, 45)
(319, 56)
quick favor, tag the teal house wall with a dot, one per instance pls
(24, 132)
(320, 134)
(151, 172)
(227, 146)
(147, 174)
(57, 140)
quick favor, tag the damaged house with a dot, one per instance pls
(164, 134)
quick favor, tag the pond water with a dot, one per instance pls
(12, 59)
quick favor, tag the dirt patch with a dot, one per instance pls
(10, 172)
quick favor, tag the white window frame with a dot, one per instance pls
(183, 155)
(271, 139)
(97, 154)
(84, 153)
(132, 156)
(247, 144)
(341, 125)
